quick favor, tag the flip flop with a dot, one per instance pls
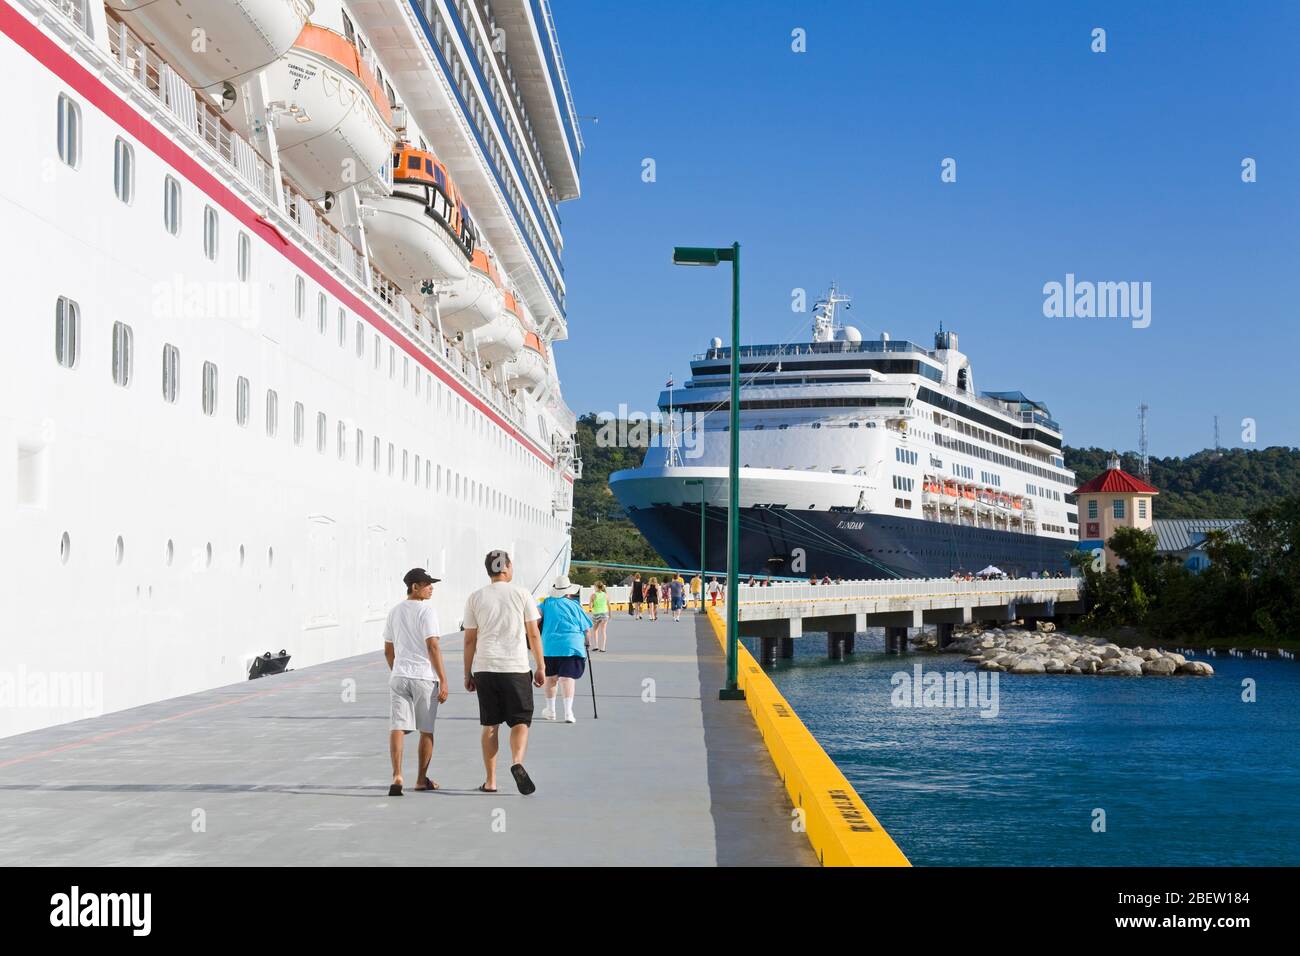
(428, 785)
(522, 780)
(395, 790)
(484, 787)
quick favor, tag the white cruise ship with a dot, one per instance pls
(860, 459)
(286, 280)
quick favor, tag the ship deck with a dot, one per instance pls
(284, 771)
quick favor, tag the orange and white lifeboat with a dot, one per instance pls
(335, 125)
(503, 338)
(239, 37)
(475, 301)
(530, 369)
(417, 234)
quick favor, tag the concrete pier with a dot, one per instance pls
(293, 770)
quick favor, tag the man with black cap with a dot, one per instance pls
(418, 683)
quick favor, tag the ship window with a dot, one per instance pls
(123, 350)
(67, 332)
(417, 469)
(320, 432)
(392, 361)
(299, 297)
(172, 205)
(343, 328)
(375, 454)
(392, 458)
(428, 474)
(209, 388)
(413, 162)
(244, 256)
(321, 320)
(299, 422)
(272, 412)
(241, 401)
(406, 371)
(406, 463)
(376, 352)
(342, 441)
(361, 446)
(361, 339)
(69, 131)
(171, 373)
(123, 170)
(210, 225)
(348, 30)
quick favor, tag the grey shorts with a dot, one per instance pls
(413, 704)
(597, 618)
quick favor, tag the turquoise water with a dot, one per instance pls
(1186, 772)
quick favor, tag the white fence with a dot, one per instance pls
(1065, 589)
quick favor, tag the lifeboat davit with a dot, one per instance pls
(502, 338)
(418, 233)
(335, 124)
(240, 37)
(475, 301)
(530, 369)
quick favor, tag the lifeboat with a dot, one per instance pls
(475, 301)
(241, 37)
(335, 124)
(950, 489)
(502, 339)
(530, 369)
(417, 234)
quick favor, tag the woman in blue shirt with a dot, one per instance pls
(564, 645)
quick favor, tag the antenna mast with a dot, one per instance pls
(1144, 465)
(1218, 449)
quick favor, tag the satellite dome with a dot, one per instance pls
(850, 334)
(715, 343)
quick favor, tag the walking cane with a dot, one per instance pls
(591, 672)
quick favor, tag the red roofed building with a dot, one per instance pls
(1114, 499)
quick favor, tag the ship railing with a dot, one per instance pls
(321, 233)
(188, 106)
(809, 348)
(78, 11)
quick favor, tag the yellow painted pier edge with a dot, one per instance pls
(842, 831)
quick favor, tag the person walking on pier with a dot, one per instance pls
(714, 588)
(564, 640)
(417, 684)
(677, 596)
(652, 599)
(638, 595)
(599, 617)
(697, 592)
(500, 631)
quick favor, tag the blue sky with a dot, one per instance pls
(825, 165)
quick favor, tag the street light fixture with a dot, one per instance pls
(701, 256)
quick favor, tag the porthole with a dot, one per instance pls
(270, 557)
(119, 550)
(169, 555)
(208, 555)
(65, 548)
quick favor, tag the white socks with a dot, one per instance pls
(568, 708)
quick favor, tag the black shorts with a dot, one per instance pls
(504, 698)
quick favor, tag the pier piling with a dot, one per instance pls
(787, 648)
(767, 651)
(944, 633)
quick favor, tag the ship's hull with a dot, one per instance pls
(151, 546)
(784, 542)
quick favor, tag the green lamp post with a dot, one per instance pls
(694, 256)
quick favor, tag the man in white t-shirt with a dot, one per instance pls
(418, 683)
(500, 631)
